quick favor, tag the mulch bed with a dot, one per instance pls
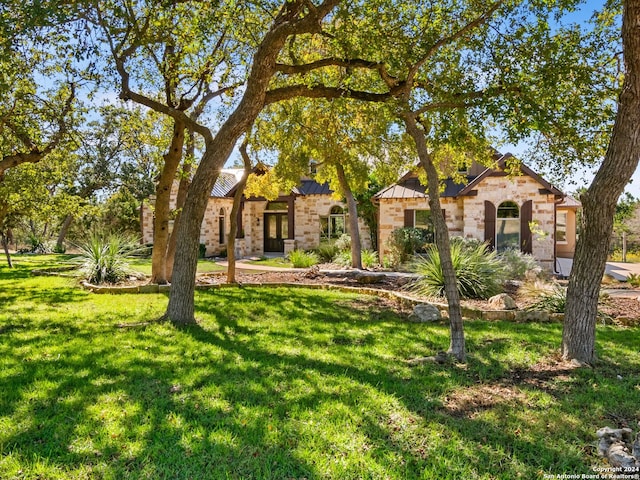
(624, 311)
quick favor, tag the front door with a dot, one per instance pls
(276, 230)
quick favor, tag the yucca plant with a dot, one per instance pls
(302, 259)
(553, 300)
(479, 272)
(103, 257)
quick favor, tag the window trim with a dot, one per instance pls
(514, 220)
(566, 221)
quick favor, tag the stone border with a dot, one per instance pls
(404, 300)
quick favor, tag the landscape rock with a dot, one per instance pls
(425, 313)
(615, 446)
(369, 278)
(503, 302)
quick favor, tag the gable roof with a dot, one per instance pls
(228, 179)
(502, 162)
(409, 185)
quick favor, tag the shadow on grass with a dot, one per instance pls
(253, 392)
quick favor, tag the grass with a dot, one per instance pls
(142, 265)
(280, 262)
(279, 383)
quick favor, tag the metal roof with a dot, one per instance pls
(410, 187)
(311, 187)
(569, 202)
(227, 179)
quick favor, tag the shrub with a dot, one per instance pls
(479, 272)
(405, 242)
(103, 258)
(369, 258)
(202, 250)
(517, 264)
(343, 243)
(327, 251)
(302, 259)
(552, 301)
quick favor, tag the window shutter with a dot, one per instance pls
(490, 224)
(526, 215)
(408, 218)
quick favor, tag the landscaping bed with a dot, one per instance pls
(620, 310)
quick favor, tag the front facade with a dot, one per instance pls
(508, 212)
(300, 219)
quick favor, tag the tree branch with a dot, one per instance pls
(35, 153)
(321, 91)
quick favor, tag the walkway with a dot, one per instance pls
(618, 270)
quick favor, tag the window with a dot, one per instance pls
(561, 227)
(422, 219)
(277, 206)
(334, 225)
(507, 227)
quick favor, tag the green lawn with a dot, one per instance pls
(272, 262)
(279, 383)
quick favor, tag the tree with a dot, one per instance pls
(599, 202)
(294, 18)
(342, 141)
(184, 64)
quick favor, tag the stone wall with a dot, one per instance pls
(519, 190)
(391, 216)
(308, 210)
(209, 232)
(465, 215)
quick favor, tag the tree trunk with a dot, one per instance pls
(183, 188)
(5, 247)
(352, 208)
(63, 232)
(290, 21)
(456, 327)
(233, 223)
(163, 208)
(599, 203)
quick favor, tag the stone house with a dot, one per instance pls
(300, 219)
(519, 211)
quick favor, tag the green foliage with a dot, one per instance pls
(327, 251)
(103, 258)
(202, 250)
(369, 258)
(302, 259)
(343, 243)
(552, 301)
(405, 242)
(121, 213)
(518, 265)
(479, 272)
(634, 280)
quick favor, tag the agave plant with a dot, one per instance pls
(479, 272)
(103, 257)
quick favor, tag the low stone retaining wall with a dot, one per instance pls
(403, 299)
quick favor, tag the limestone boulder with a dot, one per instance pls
(425, 313)
(503, 302)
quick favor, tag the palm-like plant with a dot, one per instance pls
(103, 257)
(479, 272)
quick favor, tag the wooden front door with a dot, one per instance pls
(276, 230)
